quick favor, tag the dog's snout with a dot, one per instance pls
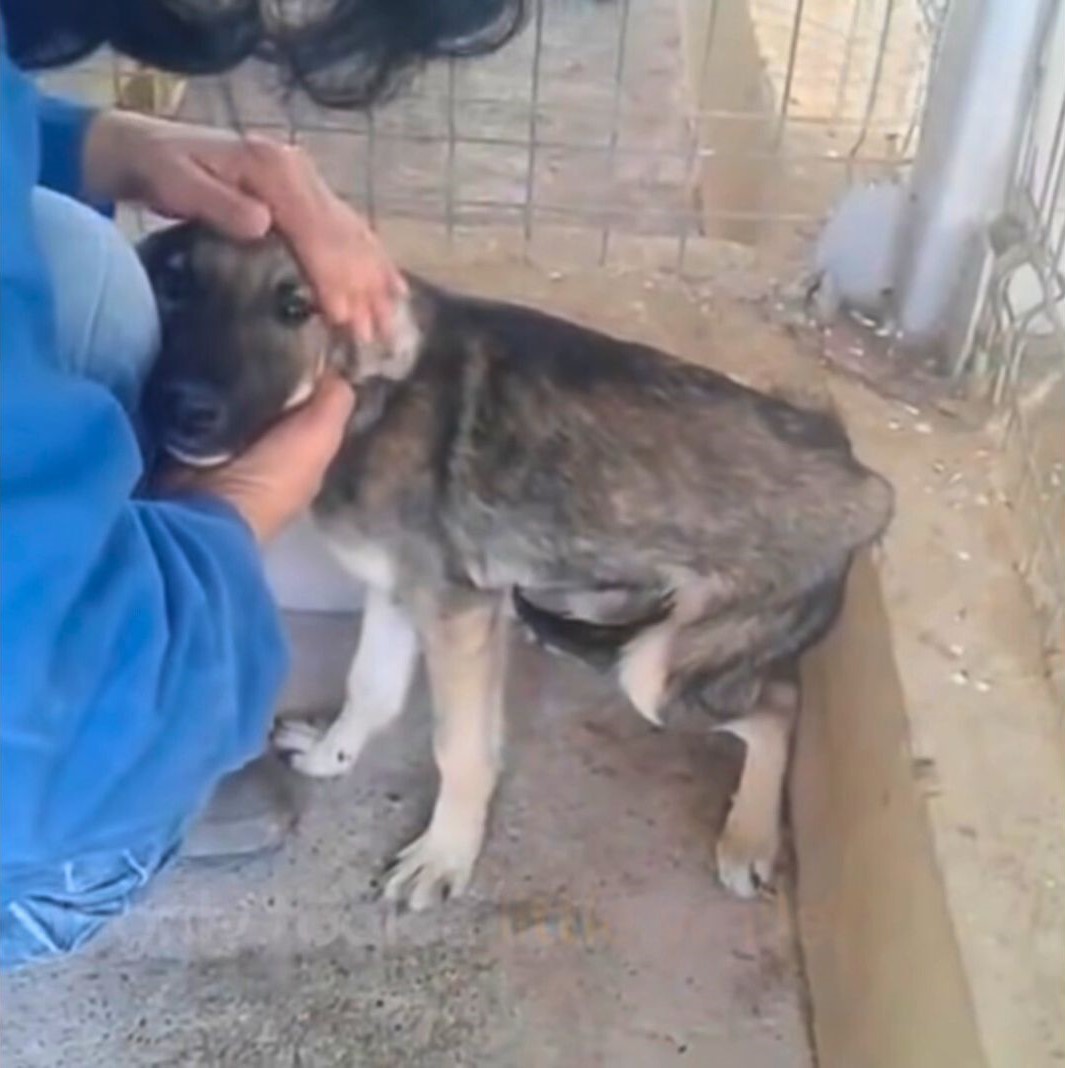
(192, 412)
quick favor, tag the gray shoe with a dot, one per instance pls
(251, 813)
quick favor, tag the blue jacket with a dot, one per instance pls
(140, 651)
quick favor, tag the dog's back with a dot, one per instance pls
(630, 462)
(612, 486)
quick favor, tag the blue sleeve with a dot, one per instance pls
(141, 651)
(63, 126)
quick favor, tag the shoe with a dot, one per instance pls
(251, 813)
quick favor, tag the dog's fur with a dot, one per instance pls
(657, 519)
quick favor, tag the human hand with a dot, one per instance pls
(278, 476)
(243, 186)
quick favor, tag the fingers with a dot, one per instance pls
(331, 404)
(348, 269)
(356, 286)
(318, 425)
(398, 282)
(194, 192)
(382, 305)
(362, 315)
(277, 477)
(354, 279)
(367, 300)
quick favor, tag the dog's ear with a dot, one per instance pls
(392, 358)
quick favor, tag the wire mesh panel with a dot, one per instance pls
(608, 122)
(811, 96)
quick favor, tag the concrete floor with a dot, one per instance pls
(593, 933)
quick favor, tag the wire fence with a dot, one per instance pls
(607, 121)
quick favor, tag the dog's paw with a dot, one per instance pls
(311, 750)
(433, 868)
(745, 863)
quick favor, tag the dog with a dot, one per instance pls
(662, 522)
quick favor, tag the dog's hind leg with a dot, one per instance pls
(465, 648)
(377, 686)
(750, 841)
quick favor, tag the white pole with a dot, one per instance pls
(978, 104)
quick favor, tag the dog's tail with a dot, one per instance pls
(596, 643)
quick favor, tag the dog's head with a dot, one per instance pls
(243, 341)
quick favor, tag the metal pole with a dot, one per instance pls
(974, 122)
(615, 115)
(534, 118)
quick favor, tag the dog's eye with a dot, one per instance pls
(292, 304)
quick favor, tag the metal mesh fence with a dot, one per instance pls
(602, 121)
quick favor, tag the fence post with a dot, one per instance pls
(978, 104)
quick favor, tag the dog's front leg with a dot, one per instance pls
(465, 649)
(378, 682)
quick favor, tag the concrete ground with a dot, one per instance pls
(594, 933)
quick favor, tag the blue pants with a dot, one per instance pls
(107, 329)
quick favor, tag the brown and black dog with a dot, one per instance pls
(655, 518)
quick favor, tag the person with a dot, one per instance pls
(141, 652)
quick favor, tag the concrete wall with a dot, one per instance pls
(885, 975)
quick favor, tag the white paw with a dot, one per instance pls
(746, 863)
(312, 750)
(434, 867)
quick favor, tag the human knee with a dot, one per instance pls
(107, 325)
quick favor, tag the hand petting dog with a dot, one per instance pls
(244, 187)
(277, 477)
